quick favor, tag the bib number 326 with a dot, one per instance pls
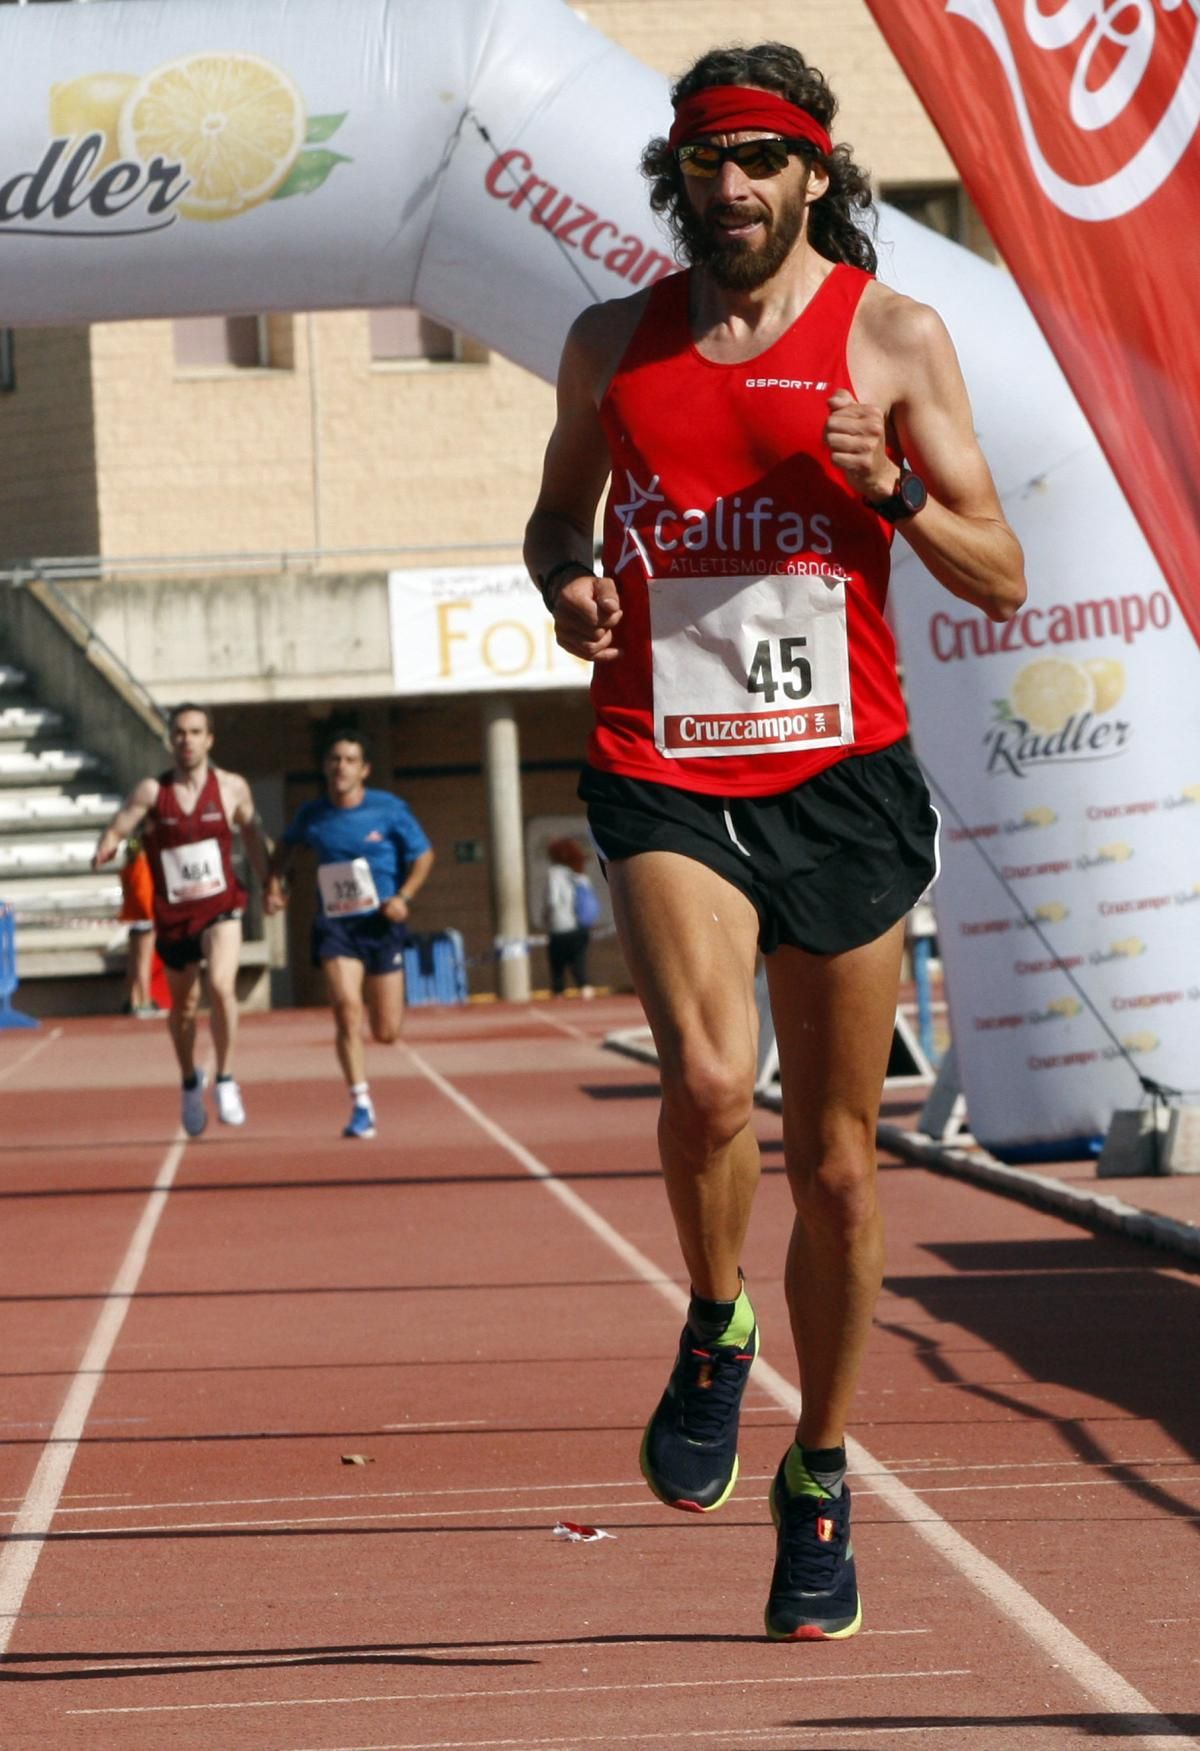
(749, 665)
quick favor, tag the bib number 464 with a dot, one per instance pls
(779, 665)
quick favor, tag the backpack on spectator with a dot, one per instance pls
(587, 905)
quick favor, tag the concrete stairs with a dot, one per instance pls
(54, 799)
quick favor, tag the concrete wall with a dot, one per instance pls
(247, 637)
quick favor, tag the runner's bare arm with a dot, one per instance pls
(279, 869)
(243, 815)
(961, 535)
(128, 818)
(400, 904)
(586, 608)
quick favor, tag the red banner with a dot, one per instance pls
(1074, 126)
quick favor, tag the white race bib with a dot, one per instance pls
(347, 888)
(193, 872)
(749, 665)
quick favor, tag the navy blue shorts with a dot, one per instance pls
(369, 937)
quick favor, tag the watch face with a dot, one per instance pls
(912, 492)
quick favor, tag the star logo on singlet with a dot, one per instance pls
(638, 496)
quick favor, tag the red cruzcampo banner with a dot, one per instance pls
(1074, 126)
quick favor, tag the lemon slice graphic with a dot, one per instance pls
(91, 104)
(234, 122)
(1047, 693)
(1108, 680)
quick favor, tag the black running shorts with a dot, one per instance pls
(183, 950)
(828, 866)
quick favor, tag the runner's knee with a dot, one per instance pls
(707, 1102)
(838, 1195)
(348, 1014)
(385, 1032)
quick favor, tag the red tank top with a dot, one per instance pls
(191, 859)
(754, 650)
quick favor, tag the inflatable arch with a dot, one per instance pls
(478, 158)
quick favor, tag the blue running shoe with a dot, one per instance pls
(689, 1451)
(814, 1589)
(361, 1122)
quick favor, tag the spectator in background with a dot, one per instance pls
(137, 911)
(569, 910)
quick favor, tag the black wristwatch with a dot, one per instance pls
(547, 580)
(908, 498)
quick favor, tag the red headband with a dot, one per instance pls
(730, 109)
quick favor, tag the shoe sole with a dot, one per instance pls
(842, 1629)
(682, 1503)
(815, 1632)
(359, 1136)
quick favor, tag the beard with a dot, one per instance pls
(734, 264)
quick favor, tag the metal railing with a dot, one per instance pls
(79, 567)
(85, 635)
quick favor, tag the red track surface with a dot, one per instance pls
(203, 1569)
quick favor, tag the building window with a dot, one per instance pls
(401, 334)
(947, 209)
(233, 343)
(8, 361)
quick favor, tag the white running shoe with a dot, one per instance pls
(228, 1097)
(195, 1113)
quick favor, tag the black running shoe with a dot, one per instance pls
(689, 1450)
(814, 1590)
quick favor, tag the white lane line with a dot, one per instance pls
(525, 1691)
(30, 1053)
(565, 1027)
(558, 1743)
(65, 1667)
(460, 1423)
(26, 1538)
(1061, 1645)
(106, 1501)
(496, 1512)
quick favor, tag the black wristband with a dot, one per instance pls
(547, 579)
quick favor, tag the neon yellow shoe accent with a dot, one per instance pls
(799, 1479)
(737, 1332)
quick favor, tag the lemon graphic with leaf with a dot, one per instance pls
(1108, 680)
(235, 124)
(91, 105)
(1046, 693)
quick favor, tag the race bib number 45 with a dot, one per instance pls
(193, 872)
(750, 665)
(347, 888)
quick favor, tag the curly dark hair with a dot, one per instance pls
(833, 230)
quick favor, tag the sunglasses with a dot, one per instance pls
(756, 158)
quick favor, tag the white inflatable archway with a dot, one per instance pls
(478, 158)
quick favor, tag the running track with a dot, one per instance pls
(483, 1304)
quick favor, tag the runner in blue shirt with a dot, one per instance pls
(372, 858)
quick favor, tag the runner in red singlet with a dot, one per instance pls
(764, 422)
(187, 818)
